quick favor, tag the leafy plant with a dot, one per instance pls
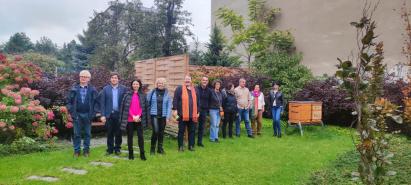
(363, 79)
(257, 38)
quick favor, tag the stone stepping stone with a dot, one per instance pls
(118, 157)
(99, 163)
(43, 178)
(126, 151)
(74, 171)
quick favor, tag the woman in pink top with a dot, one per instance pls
(133, 115)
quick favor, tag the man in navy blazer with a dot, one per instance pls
(110, 102)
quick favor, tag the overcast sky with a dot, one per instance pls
(62, 20)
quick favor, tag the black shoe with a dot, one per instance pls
(152, 151)
(250, 136)
(216, 140)
(200, 145)
(279, 136)
(117, 153)
(131, 156)
(161, 151)
(143, 156)
(181, 149)
(191, 148)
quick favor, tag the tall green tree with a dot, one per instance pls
(173, 26)
(18, 43)
(75, 56)
(46, 46)
(217, 54)
(258, 37)
(128, 31)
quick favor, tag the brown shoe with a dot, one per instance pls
(86, 154)
(76, 154)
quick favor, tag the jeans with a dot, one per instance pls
(201, 125)
(82, 122)
(130, 131)
(158, 125)
(214, 123)
(276, 113)
(243, 114)
(182, 125)
(114, 138)
(228, 119)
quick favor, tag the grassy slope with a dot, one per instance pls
(264, 160)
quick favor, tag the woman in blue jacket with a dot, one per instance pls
(159, 106)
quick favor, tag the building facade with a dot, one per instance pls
(322, 28)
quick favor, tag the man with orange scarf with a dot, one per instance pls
(185, 108)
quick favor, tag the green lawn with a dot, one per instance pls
(263, 160)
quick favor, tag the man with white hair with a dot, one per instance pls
(82, 106)
(186, 106)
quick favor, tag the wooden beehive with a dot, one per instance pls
(304, 112)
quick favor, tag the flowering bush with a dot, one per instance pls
(20, 113)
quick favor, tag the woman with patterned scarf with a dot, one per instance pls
(258, 104)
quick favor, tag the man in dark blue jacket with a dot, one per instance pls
(82, 105)
(110, 101)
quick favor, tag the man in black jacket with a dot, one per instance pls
(204, 94)
(82, 106)
(185, 108)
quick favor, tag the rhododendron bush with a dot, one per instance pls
(20, 113)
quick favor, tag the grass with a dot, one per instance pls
(263, 160)
(339, 171)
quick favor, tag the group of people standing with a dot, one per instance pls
(126, 109)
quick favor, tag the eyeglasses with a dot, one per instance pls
(84, 77)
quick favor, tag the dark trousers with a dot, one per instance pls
(158, 125)
(114, 138)
(182, 125)
(130, 130)
(201, 125)
(228, 120)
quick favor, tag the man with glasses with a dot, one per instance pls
(82, 105)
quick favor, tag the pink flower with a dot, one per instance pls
(30, 108)
(18, 79)
(69, 125)
(35, 102)
(13, 66)
(50, 115)
(34, 93)
(40, 109)
(35, 124)
(37, 116)
(22, 108)
(63, 110)
(12, 127)
(3, 107)
(18, 101)
(54, 130)
(2, 124)
(14, 109)
(25, 91)
(18, 58)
